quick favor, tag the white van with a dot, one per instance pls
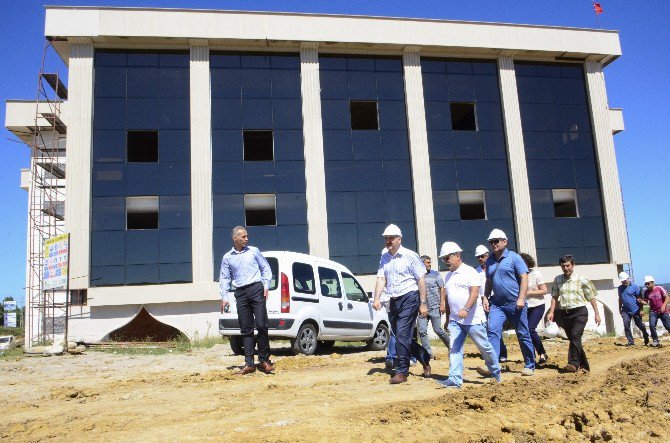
(313, 302)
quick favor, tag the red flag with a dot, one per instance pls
(597, 8)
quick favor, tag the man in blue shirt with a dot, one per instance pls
(402, 276)
(507, 277)
(630, 299)
(250, 273)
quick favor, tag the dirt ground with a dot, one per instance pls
(342, 395)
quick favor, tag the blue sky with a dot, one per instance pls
(637, 82)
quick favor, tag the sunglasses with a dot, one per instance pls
(495, 241)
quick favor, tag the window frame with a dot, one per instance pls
(147, 198)
(572, 198)
(293, 277)
(334, 277)
(465, 194)
(474, 113)
(250, 132)
(345, 275)
(352, 103)
(248, 201)
(139, 131)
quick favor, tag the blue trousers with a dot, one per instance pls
(637, 318)
(404, 310)
(534, 316)
(519, 318)
(653, 320)
(457, 335)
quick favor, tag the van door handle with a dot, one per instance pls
(350, 306)
(340, 305)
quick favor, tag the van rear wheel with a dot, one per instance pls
(236, 344)
(305, 342)
(380, 340)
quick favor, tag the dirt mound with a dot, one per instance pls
(344, 395)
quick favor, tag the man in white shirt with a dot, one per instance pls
(401, 275)
(466, 316)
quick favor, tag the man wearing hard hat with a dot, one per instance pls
(507, 280)
(630, 299)
(466, 316)
(659, 304)
(482, 254)
(401, 275)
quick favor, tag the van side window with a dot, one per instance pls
(303, 278)
(330, 283)
(353, 289)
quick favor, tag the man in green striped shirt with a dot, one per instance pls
(569, 296)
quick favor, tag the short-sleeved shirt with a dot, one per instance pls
(402, 271)
(628, 295)
(535, 279)
(458, 284)
(505, 275)
(433, 284)
(656, 298)
(573, 292)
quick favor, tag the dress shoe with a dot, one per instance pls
(246, 370)
(266, 367)
(398, 378)
(426, 370)
(570, 368)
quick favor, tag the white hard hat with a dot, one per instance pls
(449, 247)
(497, 233)
(623, 276)
(392, 230)
(481, 250)
(648, 278)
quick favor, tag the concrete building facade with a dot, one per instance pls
(316, 131)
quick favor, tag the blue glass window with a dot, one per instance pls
(560, 155)
(136, 94)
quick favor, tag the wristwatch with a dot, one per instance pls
(424, 302)
(467, 309)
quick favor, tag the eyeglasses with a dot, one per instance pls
(481, 256)
(495, 241)
(648, 283)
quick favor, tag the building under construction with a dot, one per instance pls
(315, 131)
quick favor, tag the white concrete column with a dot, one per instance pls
(315, 181)
(516, 156)
(418, 146)
(78, 158)
(609, 174)
(201, 163)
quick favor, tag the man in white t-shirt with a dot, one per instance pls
(466, 316)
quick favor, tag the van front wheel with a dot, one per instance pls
(380, 340)
(305, 342)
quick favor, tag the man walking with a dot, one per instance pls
(569, 296)
(466, 316)
(507, 280)
(436, 307)
(658, 301)
(250, 274)
(630, 299)
(402, 275)
(482, 254)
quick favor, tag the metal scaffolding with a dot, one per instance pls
(46, 310)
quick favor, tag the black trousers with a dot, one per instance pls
(573, 321)
(251, 312)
